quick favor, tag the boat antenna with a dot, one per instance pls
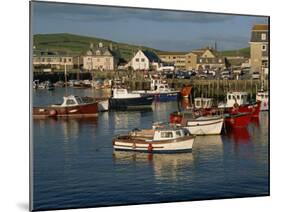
(65, 79)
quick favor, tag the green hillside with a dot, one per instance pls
(239, 52)
(77, 44)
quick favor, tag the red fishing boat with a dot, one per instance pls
(72, 106)
(237, 102)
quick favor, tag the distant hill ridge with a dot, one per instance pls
(79, 44)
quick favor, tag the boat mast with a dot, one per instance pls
(65, 79)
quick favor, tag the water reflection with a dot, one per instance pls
(124, 121)
(239, 135)
(185, 103)
(70, 127)
(165, 166)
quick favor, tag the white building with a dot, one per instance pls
(144, 60)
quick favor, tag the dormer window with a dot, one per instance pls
(263, 36)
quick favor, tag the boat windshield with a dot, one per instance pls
(70, 102)
(79, 100)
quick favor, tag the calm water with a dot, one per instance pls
(75, 165)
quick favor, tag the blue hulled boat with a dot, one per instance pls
(122, 99)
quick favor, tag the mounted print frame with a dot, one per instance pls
(140, 106)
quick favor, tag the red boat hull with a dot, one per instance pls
(254, 109)
(238, 120)
(85, 110)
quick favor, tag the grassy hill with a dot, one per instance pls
(239, 52)
(77, 44)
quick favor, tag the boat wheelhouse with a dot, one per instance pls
(203, 103)
(233, 98)
(159, 140)
(263, 97)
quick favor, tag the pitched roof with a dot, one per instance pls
(260, 27)
(152, 57)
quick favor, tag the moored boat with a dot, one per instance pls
(72, 106)
(238, 101)
(198, 125)
(158, 140)
(122, 99)
(161, 91)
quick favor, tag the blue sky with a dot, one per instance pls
(164, 30)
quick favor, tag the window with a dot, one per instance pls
(189, 61)
(263, 48)
(69, 60)
(229, 97)
(238, 97)
(188, 56)
(178, 133)
(142, 59)
(166, 134)
(174, 57)
(263, 36)
(137, 59)
(70, 102)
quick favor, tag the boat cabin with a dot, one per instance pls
(159, 133)
(168, 134)
(159, 86)
(262, 96)
(122, 93)
(71, 100)
(204, 103)
(239, 98)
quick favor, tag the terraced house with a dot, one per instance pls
(178, 59)
(206, 58)
(259, 48)
(52, 60)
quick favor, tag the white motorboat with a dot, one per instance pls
(157, 140)
(202, 125)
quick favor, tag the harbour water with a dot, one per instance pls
(75, 165)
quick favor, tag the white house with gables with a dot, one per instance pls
(144, 60)
(100, 58)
